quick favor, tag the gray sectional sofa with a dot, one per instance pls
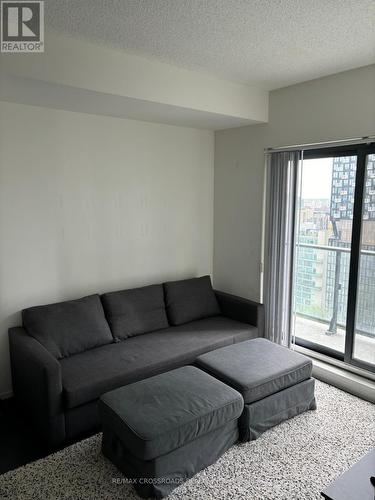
(66, 355)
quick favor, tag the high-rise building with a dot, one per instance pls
(341, 215)
(310, 262)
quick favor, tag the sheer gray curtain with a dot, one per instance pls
(281, 174)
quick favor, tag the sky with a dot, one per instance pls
(316, 178)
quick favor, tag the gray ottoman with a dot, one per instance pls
(274, 381)
(164, 429)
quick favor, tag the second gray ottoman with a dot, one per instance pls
(164, 429)
(274, 381)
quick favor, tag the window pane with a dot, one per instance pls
(323, 243)
(364, 340)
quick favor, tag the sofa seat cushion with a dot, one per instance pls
(155, 416)
(135, 311)
(189, 300)
(87, 376)
(257, 368)
(70, 327)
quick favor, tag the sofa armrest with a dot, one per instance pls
(241, 309)
(37, 384)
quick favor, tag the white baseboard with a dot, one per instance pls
(335, 362)
(349, 382)
(346, 377)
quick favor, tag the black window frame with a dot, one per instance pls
(361, 151)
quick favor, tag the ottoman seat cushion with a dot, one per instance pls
(154, 416)
(256, 368)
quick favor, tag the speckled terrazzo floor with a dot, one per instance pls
(294, 460)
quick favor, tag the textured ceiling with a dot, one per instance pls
(269, 43)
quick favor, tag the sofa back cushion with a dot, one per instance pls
(135, 311)
(189, 300)
(69, 327)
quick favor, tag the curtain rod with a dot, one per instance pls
(315, 145)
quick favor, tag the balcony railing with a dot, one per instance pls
(332, 248)
(331, 291)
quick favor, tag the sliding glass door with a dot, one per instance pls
(361, 348)
(334, 254)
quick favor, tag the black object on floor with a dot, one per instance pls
(355, 483)
(20, 444)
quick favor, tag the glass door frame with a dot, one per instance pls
(361, 151)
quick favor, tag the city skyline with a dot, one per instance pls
(325, 220)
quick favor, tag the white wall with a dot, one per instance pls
(336, 107)
(91, 203)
